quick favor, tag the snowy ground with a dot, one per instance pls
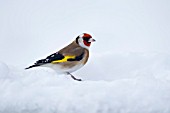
(142, 87)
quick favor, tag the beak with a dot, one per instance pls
(91, 40)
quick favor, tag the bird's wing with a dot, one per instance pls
(69, 58)
(57, 58)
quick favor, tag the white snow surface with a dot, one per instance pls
(135, 83)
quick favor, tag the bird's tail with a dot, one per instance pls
(35, 65)
(38, 63)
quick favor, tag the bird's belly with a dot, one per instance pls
(63, 69)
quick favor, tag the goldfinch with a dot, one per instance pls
(70, 58)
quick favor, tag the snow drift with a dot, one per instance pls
(144, 89)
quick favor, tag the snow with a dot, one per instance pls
(142, 87)
(4, 70)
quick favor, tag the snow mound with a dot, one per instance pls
(3, 70)
(43, 91)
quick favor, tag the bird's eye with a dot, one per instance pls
(86, 39)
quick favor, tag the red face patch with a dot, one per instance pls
(87, 43)
(86, 38)
(87, 35)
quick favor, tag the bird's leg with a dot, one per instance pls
(73, 77)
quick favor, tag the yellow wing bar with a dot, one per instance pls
(63, 60)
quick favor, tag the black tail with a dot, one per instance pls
(35, 65)
(38, 63)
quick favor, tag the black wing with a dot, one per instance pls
(54, 57)
(77, 58)
(49, 59)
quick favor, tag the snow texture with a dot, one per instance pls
(142, 87)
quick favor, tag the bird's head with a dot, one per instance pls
(85, 40)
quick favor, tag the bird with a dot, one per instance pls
(70, 58)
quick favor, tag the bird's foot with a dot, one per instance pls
(74, 77)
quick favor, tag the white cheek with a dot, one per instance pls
(81, 43)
